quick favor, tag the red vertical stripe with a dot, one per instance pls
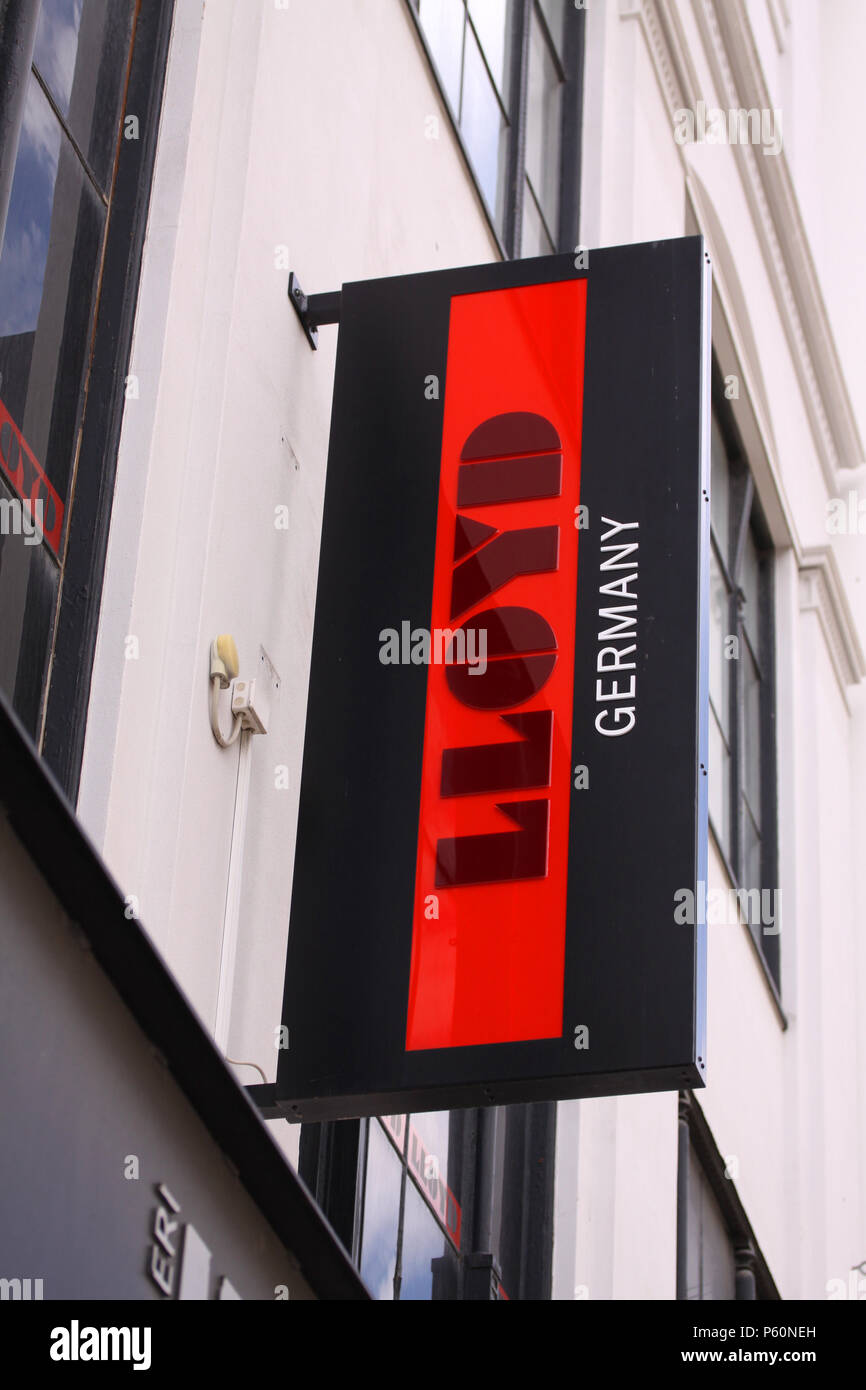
(490, 966)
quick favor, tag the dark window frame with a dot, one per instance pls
(746, 517)
(54, 682)
(571, 68)
(66, 689)
(332, 1165)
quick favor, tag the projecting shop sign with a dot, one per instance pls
(504, 780)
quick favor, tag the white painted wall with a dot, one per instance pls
(298, 133)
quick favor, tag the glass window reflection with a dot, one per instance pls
(720, 663)
(48, 265)
(429, 1266)
(51, 246)
(443, 22)
(411, 1217)
(381, 1215)
(56, 47)
(28, 222)
(484, 127)
(80, 56)
(544, 126)
(493, 21)
(536, 241)
(505, 67)
(720, 488)
(554, 12)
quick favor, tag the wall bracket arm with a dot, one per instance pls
(313, 310)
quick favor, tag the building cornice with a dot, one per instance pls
(664, 39)
(822, 593)
(771, 192)
(733, 56)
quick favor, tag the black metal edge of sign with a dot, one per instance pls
(637, 835)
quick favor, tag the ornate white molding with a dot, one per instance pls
(663, 36)
(780, 19)
(769, 189)
(822, 593)
(779, 225)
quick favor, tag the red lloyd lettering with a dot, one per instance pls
(521, 648)
(495, 797)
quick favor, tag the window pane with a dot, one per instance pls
(719, 790)
(28, 225)
(554, 12)
(432, 1130)
(752, 734)
(720, 487)
(429, 1263)
(493, 20)
(443, 22)
(544, 126)
(381, 1215)
(534, 241)
(720, 664)
(80, 51)
(396, 1126)
(429, 1163)
(750, 583)
(56, 47)
(752, 867)
(48, 266)
(483, 127)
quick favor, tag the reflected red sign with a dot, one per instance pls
(426, 1169)
(488, 946)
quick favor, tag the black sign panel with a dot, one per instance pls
(504, 783)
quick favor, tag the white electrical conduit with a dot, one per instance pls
(215, 687)
(228, 950)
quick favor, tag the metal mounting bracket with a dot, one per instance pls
(313, 310)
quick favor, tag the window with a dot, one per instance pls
(510, 71)
(441, 1206)
(742, 790)
(71, 223)
(410, 1218)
